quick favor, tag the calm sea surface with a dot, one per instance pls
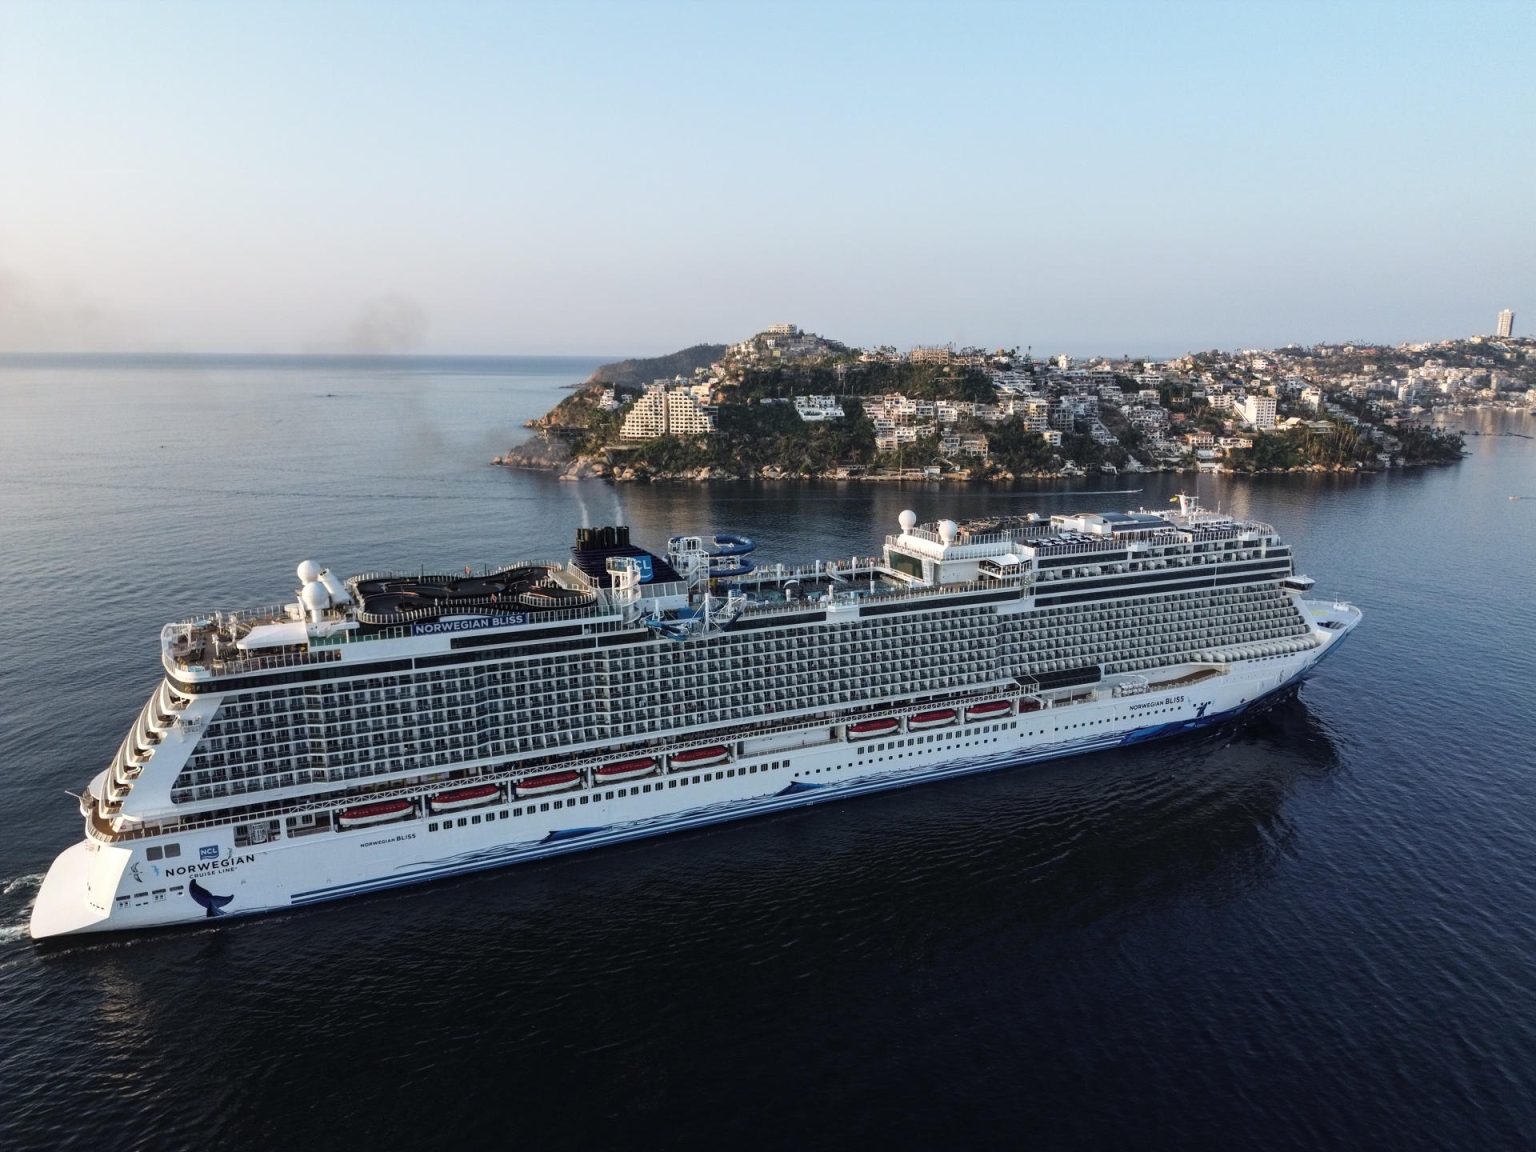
(1317, 930)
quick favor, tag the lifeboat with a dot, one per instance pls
(939, 718)
(991, 710)
(625, 770)
(547, 782)
(471, 797)
(869, 729)
(380, 813)
(699, 757)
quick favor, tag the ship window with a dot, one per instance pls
(504, 812)
(671, 783)
(543, 807)
(431, 827)
(152, 852)
(172, 851)
(695, 779)
(609, 796)
(474, 819)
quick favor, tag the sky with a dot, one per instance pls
(1091, 177)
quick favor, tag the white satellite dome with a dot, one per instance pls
(907, 520)
(314, 595)
(309, 572)
(948, 530)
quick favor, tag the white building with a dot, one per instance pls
(1312, 397)
(1259, 411)
(818, 409)
(663, 411)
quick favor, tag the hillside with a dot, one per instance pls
(642, 370)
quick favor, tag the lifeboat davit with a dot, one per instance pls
(988, 711)
(700, 757)
(869, 729)
(548, 782)
(939, 718)
(379, 813)
(471, 797)
(625, 770)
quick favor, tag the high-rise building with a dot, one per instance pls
(1260, 412)
(664, 411)
(1507, 322)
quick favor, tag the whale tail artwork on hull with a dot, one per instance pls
(214, 904)
(395, 728)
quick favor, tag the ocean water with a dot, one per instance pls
(1314, 930)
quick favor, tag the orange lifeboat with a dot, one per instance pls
(547, 782)
(471, 797)
(938, 718)
(380, 813)
(625, 770)
(991, 710)
(869, 729)
(699, 757)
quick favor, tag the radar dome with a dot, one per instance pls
(907, 520)
(314, 595)
(309, 571)
(948, 530)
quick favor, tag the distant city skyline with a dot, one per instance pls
(1095, 178)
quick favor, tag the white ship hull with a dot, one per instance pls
(97, 886)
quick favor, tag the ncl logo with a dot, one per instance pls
(208, 852)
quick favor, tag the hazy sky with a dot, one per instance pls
(524, 178)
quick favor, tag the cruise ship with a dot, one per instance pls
(395, 728)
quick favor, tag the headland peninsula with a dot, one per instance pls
(790, 404)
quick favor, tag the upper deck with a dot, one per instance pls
(610, 583)
(947, 552)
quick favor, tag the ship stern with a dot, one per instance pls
(76, 895)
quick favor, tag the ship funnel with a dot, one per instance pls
(594, 539)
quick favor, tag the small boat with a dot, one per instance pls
(547, 782)
(699, 757)
(625, 770)
(379, 813)
(938, 718)
(869, 729)
(988, 711)
(471, 797)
